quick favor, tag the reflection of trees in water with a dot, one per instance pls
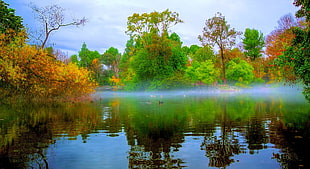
(153, 138)
(152, 148)
(256, 134)
(30, 130)
(294, 143)
(219, 150)
(28, 150)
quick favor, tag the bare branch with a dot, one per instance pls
(52, 17)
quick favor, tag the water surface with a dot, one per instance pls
(261, 128)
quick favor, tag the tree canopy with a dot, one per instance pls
(217, 33)
(253, 43)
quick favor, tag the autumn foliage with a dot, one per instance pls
(30, 73)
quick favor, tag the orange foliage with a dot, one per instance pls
(115, 80)
(32, 73)
(277, 42)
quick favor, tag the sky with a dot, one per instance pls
(107, 19)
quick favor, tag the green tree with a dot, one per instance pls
(87, 56)
(8, 19)
(74, 59)
(253, 43)
(157, 56)
(159, 22)
(218, 33)
(92, 60)
(239, 70)
(203, 54)
(111, 58)
(125, 70)
(204, 72)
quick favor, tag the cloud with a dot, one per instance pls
(107, 19)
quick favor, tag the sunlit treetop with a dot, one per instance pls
(159, 22)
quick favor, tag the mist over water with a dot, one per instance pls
(289, 93)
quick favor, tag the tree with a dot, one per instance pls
(52, 18)
(92, 60)
(8, 19)
(280, 38)
(218, 33)
(239, 70)
(111, 58)
(298, 54)
(156, 55)
(203, 54)
(138, 24)
(253, 43)
(276, 43)
(87, 56)
(125, 69)
(204, 72)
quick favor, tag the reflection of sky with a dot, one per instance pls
(100, 151)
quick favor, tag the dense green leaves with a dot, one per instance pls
(204, 72)
(239, 70)
(203, 54)
(253, 43)
(8, 19)
(155, 56)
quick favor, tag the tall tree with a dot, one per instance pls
(253, 43)
(52, 18)
(217, 33)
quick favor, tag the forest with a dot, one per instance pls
(154, 58)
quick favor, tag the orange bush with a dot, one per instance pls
(32, 73)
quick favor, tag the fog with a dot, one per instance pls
(289, 93)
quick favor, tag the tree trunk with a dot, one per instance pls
(223, 65)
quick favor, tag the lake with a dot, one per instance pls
(204, 128)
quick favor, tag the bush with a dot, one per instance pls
(240, 71)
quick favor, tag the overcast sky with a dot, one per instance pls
(107, 19)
